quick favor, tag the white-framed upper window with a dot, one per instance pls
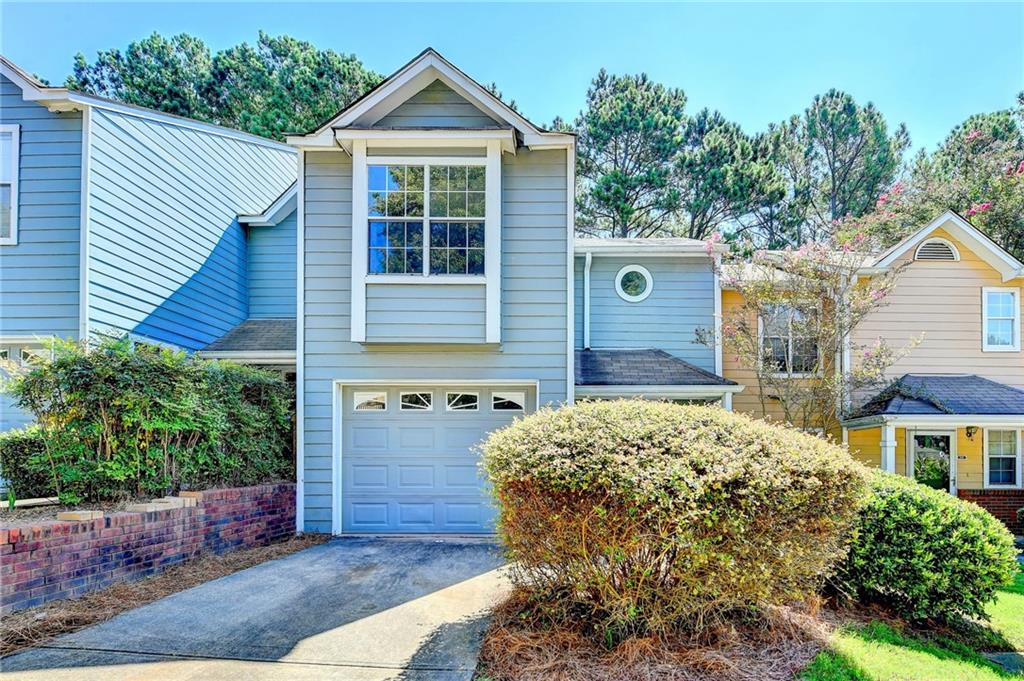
(416, 401)
(10, 142)
(937, 250)
(426, 219)
(460, 401)
(786, 341)
(634, 283)
(370, 400)
(1002, 457)
(508, 400)
(1000, 319)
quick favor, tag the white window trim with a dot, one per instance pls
(782, 374)
(1016, 326)
(936, 239)
(491, 278)
(401, 404)
(985, 458)
(15, 131)
(517, 396)
(447, 401)
(642, 271)
(367, 395)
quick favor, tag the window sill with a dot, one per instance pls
(465, 279)
(1000, 349)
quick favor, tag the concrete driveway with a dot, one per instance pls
(355, 609)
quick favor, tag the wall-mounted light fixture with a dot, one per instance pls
(971, 432)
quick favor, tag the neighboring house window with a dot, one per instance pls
(785, 343)
(9, 153)
(1002, 458)
(633, 283)
(1000, 314)
(462, 401)
(417, 402)
(426, 219)
(508, 401)
(371, 401)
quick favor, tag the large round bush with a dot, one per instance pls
(639, 518)
(926, 554)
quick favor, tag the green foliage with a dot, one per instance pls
(124, 419)
(276, 86)
(21, 453)
(629, 135)
(639, 518)
(926, 554)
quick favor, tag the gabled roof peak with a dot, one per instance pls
(422, 70)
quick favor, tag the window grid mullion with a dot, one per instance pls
(426, 219)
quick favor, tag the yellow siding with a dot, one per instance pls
(942, 300)
(970, 472)
(748, 401)
(866, 445)
(901, 451)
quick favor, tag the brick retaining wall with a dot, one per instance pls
(50, 560)
(1002, 503)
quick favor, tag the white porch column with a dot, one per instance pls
(727, 401)
(888, 448)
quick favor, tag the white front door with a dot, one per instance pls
(931, 458)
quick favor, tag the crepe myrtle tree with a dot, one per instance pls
(797, 313)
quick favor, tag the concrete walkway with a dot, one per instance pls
(354, 609)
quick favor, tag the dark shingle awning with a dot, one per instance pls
(925, 395)
(648, 367)
(255, 336)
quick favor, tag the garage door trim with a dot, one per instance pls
(337, 418)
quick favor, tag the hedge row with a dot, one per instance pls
(124, 419)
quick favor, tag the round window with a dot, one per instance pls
(633, 283)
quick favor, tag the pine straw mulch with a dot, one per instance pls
(775, 648)
(31, 627)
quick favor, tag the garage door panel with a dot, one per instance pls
(416, 471)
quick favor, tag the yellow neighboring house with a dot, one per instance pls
(954, 415)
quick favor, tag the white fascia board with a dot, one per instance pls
(426, 138)
(932, 420)
(663, 391)
(251, 356)
(282, 207)
(987, 249)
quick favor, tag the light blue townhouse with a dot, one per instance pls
(116, 219)
(441, 294)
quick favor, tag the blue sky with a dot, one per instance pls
(927, 65)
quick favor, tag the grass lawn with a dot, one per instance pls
(877, 651)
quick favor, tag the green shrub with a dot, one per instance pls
(926, 554)
(22, 453)
(643, 518)
(123, 419)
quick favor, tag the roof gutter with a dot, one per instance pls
(912, 420)
(251, 356)
(662, 391)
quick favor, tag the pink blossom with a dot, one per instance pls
(711, 241)
(973, 135)
(882, 198)
(896, 188)
(979, 208)
(1020, 168)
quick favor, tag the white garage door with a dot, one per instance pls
(408, 464)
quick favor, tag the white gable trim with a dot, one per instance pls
(282, 207)
(411, 79)
(988, 250)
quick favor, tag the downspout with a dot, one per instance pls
(586, 300)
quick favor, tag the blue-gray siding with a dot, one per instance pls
(168, 257)
(682, 301)
(425, 313)
(39, 275)
(534, 304)
(437, 105)
(272, 270)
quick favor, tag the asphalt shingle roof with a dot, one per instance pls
(275, 335)
(920, 394)
(639, 367)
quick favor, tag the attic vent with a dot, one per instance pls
(937, 249)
